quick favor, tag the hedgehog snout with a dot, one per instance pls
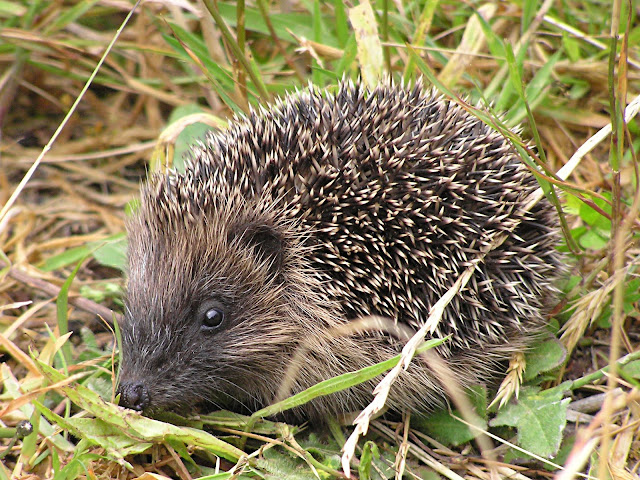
(134, 394)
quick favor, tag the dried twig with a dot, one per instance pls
(50, 289)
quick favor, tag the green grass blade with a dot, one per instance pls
(341, 382)
(194, 50)
(419, 36)
(342, 25)
(247, 63)
(68, 16)
(62, 303)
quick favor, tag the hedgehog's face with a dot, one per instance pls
(204, 320)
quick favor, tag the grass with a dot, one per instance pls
(552, 67)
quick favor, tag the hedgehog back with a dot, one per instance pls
(395, 191)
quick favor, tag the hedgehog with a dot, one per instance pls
(328, 207)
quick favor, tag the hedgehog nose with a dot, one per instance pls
(134, 395)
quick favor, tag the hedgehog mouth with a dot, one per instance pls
(136, 395)
(188, 408)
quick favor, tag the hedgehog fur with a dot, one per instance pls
(325, 208)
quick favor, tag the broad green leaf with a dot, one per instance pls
(99, 292)
(189, 134)
(111, 252)
(539, 418)
(543, 357)
(445, 425)
(593, 217)
(632, 369)
(283, 465)
(11, 9)
(592, 240)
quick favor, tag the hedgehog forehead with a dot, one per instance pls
(172, 272)
(194, 220)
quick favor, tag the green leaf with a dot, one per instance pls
(198, 47)
(68, 257)
(631, 295)
(69, 15)
(120, 431)
(571, 46)
(529, 10)
(543, 357)
(98, 432)
(346, 62)
(370, 452)
(572, 205)
(579, 88)
(539, 418)
(534, 93)
(189, 134)
(221, 80)
(593, 240)
(317, 37)
(283, 23)
(632, 369)
(99, 292)
(370, 54)
(282, 465)
(78, 466)
(495, 43)
(594, 218)
(61, 309)
(224, 476)
(226, 419)
(342, 25)
(446, 427)
(111, 252)
(11, 9)
(245, 59)
(515, 79)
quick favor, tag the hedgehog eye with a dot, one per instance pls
(212, 319)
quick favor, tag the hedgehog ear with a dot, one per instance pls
(267, 243)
